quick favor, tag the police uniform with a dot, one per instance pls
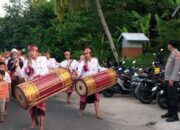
(172, 73)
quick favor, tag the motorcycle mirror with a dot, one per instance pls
(140, 69)
(126, 71)
(120, 69)
(134, 62)
(135, 74)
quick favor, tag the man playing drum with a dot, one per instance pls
(38, 67)
(90, 66)
(71, 65)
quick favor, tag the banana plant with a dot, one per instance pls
(142, 23)
(60, 8)
(159, 22)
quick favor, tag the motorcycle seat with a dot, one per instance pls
(149, 81)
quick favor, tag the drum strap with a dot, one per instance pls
(69, 64)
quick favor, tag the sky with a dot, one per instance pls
(2, 2)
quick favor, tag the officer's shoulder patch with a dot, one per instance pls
(178, 56)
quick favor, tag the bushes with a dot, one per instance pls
(82, 29)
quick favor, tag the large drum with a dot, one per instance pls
(96, 83)
(31, 93)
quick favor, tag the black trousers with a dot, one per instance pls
(172, 98)
(89, 100)
(36, 113)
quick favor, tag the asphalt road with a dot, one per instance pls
(59, 116)
(119, 113)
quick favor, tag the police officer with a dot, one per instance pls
(172, 78)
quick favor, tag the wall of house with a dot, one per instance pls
(131, 52)
(133, 44)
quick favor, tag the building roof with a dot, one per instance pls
(133, 37)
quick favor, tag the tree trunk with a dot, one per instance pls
(106, 29)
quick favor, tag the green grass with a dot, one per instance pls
(144, 60)
(141, 61)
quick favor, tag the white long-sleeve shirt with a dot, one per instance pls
(73, 66)
(93, 68)
(40, 67)
(52, 64)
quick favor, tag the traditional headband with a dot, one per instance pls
(32, 47)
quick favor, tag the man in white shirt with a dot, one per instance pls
(38, 67)
(89, 67)
(70, 65)
(52, 63)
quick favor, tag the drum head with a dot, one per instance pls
(21, 98)
(81, 88)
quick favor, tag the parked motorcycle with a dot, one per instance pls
(149, 89)
(115, 89)
(155, 70)
(135, 84)
(123, 84)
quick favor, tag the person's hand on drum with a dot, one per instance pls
(74, 74)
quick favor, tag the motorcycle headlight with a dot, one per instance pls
(161, 92)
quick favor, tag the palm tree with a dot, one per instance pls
(60, 6)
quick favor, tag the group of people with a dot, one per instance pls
(16, 68)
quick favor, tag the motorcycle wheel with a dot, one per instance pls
(136, 92)
(107, 94)
(161, 100)
(143, 96)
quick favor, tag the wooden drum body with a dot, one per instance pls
(31, 93)
(95, 83)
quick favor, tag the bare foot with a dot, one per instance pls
(2, 118)
(32, 126)
(99, 117)
(41, 128)
(80, 113)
